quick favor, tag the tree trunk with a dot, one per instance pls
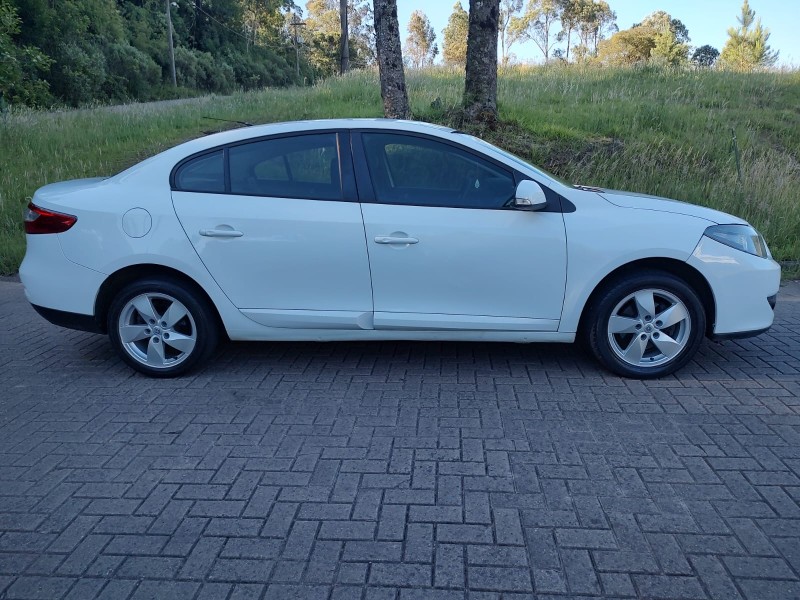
(390, 60)
(171, 45)
(569, 35)
(345, 43)
(480, 89)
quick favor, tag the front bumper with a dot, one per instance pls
(744, 288)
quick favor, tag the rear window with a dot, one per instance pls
(204, 173)
(303, 167)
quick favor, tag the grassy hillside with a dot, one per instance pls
(648, 131)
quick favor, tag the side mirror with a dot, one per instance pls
(529, 196)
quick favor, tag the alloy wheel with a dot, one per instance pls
(157, 330)
(649, 327)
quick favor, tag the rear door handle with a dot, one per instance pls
(221, 233)
(387, 239)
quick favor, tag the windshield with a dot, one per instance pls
(522, 163)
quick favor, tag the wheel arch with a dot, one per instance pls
(678, 268)
(122, 277)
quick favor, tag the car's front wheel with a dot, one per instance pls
(646, 325)
(161, 327)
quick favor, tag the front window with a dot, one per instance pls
(523, 163)
(412, 170)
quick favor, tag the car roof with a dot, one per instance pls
(254, 131)
(169, 157)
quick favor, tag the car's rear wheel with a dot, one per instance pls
(162, 328)
(646, 325)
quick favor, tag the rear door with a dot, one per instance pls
(277, 223)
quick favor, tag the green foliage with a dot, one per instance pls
(200, 70)
(322, 35)
(86, 51)
(747, 48)
(454, 47)
(141, 73)
(659, 40)
(628, 47)
(705, 56)
(21, 67)
(596, 19)
(671, 37)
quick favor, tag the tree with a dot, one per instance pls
(480, 87)
(390, 60)
(421, 45)
(570, 11)
(323, 38)
(454, 45)
(508, 12)
(663, 21)
(705, 56)
(671, 37)
(747, 48)
(362, 32)
(595, 19)
(537, 23)
(628, 47)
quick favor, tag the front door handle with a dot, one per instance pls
(221, 233)
(388, 239)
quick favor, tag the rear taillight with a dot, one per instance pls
(39, 220)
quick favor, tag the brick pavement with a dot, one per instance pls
(396, 470)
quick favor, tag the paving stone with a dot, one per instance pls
(500, 579)
(400, 574)
(449, 567)
(669, 586)
(396, 470)
(35, 588)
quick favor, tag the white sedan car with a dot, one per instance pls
(384, 230)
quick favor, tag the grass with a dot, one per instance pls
(664, 133)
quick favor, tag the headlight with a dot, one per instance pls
(741, 237)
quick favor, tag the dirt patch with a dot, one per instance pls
(557, 155)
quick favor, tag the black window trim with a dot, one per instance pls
(366, 191)
(347, 181)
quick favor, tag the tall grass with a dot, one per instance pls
(665, 133)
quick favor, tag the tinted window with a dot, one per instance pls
(411, 170)
(205, 173)
(305, 166)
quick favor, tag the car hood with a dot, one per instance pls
(646, 202)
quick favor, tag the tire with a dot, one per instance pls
(162, 327)
(645, 325)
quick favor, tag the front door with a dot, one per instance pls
(278, 233)
(445, 250)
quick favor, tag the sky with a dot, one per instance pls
(707, 21)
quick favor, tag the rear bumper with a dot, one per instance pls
(721, 337)
(52, 281)
(69, 320)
